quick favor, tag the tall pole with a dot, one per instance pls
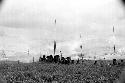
(114, 48)
(81, 47)
(55, 39)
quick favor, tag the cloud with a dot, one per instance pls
(42, 13)
(29, 24)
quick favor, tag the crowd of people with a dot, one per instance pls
(68, 60)
(56, 59)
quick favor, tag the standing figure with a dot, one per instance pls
(77, 61)
(114, 62)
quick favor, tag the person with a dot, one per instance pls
(77, 61)
(114, 62)
(95, 62)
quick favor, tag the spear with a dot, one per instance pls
(114, 36)
(81, 47)
(55, 40)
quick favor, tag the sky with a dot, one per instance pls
(29, 24)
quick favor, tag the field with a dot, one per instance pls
(41, 72)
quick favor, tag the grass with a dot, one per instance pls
(59, 73)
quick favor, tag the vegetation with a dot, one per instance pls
(42, 72)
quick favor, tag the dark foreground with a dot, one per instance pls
(41, 72)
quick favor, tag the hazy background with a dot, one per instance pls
(29, 24)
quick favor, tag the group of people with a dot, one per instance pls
(56, 59)
(67, 60)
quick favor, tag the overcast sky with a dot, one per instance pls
(29, 24)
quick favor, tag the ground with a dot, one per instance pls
(40, 72)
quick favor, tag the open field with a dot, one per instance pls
(59, 73)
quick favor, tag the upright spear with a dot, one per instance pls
(114, 48)
(81, 47)
(55, 40)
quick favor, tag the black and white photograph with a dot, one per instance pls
(62, 41)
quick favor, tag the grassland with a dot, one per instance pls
(41, 72)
